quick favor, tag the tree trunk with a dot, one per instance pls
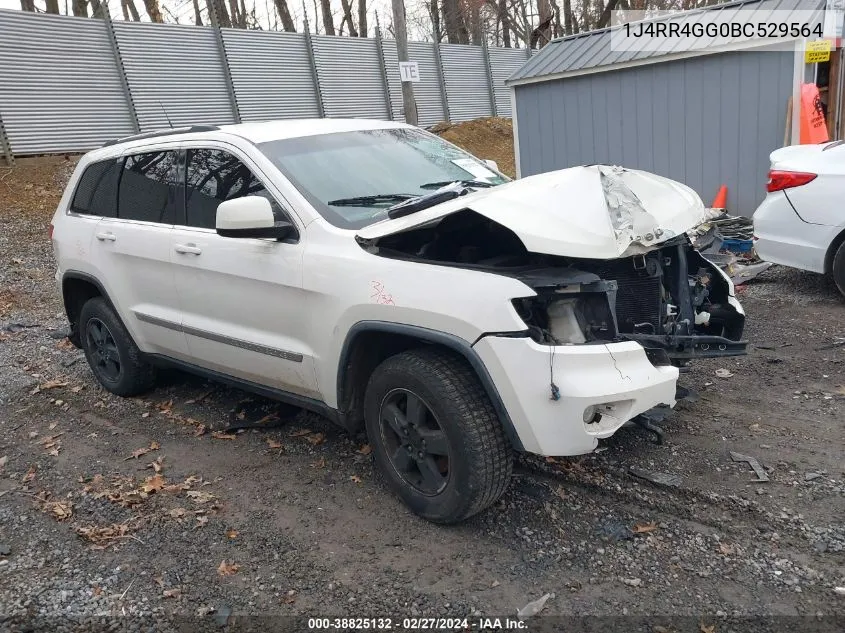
(52, 6)
(154, 11)
(502, 10)
(284, 15)
(328, 21)
(80, 8)
(362, 18)
(233, 13)
(243, 15)
(197, 15)
(27, 5)
(544, 29)
(220, 12)
(347, 17)
(130, 11)
(567, 17)
(475, 23)
(604, 20)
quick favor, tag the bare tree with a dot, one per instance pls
(130, 11)
(453, 17)
(362, 18)
(284, 14)
(328, 19)
(28, 5)
(220, 13)
(52, 6)
(347, 18)
(434, 13)
(504, 19)
(197, 14)
(153, 10)
(80, 8)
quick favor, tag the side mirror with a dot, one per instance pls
(492, 165)
(250, 216)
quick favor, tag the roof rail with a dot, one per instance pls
(167, 132)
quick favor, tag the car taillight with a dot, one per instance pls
(50, 231)
(779, 180)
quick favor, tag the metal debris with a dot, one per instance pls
(534, 607)
(662, 479)
(755, 465)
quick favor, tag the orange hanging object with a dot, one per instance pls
(813, 126)
(721, 199)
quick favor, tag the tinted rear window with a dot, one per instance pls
(96, 193)
(149, 188)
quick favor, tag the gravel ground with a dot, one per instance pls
(199, 500)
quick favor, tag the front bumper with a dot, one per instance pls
(617, 378)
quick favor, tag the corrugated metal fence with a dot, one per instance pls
(69, 84)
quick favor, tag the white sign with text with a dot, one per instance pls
(409, 71)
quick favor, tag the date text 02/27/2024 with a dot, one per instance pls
(417, 624)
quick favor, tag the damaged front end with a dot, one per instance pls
(605, 250)
(671, 300)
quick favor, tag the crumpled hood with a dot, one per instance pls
(598, 211)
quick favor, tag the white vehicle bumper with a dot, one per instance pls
(784, 238)
(617, 378)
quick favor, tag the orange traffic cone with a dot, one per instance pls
(721, 199)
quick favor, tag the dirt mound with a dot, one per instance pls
(490, 138)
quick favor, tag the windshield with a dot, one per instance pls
(352, 178)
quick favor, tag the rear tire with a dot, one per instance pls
(116, 361)
(435, 435)
(838, 268)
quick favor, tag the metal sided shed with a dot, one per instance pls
(704, 115)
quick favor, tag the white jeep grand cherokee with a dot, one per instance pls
(378, 275)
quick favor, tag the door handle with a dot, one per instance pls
(188, 249)
(105, 237)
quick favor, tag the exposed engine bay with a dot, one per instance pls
(669, 299)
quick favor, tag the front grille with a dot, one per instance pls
(638, 296)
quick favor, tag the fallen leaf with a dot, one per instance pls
(201, 429)
(270, 417)
(65, 344)
(61, 510)
(289, 597)
(157, 465)
(33, 435)
(3, 460)
(52, 384)
(317, 438)
(320, 463)
(153, 484)
(165, 406)
(77, 389)
(273, 443)
(220, 435)
(232, 534)
(201, 521)
(561, 493)
(366, 449)
(707, 629)
(50, 440)
(228, 569)
(300, 432)
(356, 479)
(53, 425)
(54, 452)
(726, 549)
(96, 590)
(30, 475)
(102, 536)
(199, 496)
(172, 593)
(644, 528)
(159, 581)
(177, 513)
(154, 446)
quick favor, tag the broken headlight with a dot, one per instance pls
(570, 315)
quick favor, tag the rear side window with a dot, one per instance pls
(96, 193)
(213, 176)
(149, 188)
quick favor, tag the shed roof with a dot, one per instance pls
(591, 52)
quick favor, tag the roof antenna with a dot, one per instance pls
(165, 114)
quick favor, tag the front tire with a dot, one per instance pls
(114, 358)
(838, 268)
(435, 435)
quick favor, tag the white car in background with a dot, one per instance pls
(801, 223)
(374, 273)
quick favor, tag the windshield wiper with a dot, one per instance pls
(371, 201)
(466, 183)
(418, 203)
